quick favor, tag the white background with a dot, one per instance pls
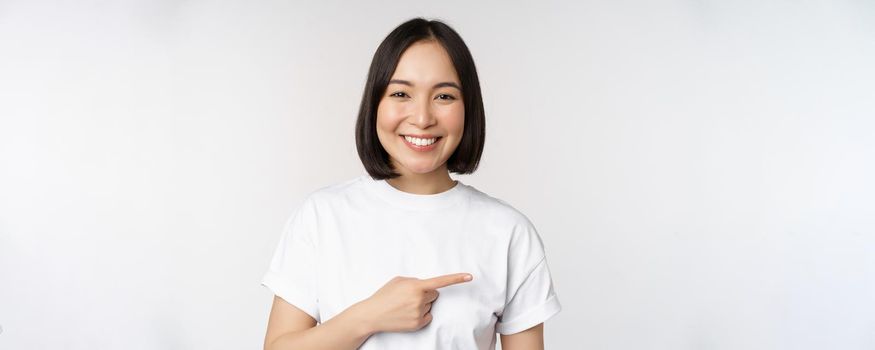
(700, 171)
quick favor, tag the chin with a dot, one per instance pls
(421, 170)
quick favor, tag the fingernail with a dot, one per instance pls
(468, 277)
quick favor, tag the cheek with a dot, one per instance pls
(388, 117)
(453, 119)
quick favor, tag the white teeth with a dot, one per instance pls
(420, 142)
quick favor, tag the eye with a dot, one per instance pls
(448, 97)
(397, 94)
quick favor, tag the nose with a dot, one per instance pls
(421, 115)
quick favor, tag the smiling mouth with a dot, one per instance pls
(419, 144)
(418, 136)
(414, 137)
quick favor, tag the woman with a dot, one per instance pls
(406, 257)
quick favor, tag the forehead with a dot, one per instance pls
(425, 62)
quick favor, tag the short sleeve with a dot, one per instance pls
(530, 298)
(292, 271)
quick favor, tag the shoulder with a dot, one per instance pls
(306, 213)
(330, 194)
(524, 243)
(498, 209)
(308, 208)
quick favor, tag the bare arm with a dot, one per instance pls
(530, 339)
(291, 328)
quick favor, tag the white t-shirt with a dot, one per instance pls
(345, 241)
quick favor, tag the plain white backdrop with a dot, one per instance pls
(700, 171)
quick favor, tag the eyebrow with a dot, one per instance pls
(441, 84)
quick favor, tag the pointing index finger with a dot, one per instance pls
(447, 280)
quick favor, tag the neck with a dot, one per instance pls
(434, 182)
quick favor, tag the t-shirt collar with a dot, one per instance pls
(412, 201)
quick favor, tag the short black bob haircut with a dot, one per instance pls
(466, 157)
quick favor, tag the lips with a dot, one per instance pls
(417, 148)
(422, 136)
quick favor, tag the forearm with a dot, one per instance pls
(530, 339)
(346, 331)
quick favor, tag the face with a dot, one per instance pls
(423, 99)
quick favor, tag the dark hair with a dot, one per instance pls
(466, 157)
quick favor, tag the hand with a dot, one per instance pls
(404, 303)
